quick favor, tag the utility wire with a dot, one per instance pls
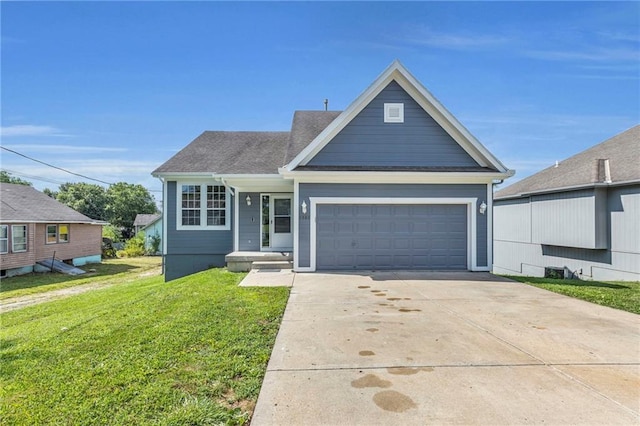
(20, 174)
(55, 167)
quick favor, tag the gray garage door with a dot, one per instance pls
(391, 237)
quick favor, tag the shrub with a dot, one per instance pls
(113, 233)
(133, 247)
(154, 244)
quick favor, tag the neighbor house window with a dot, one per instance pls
(203, 207)
(57, 234)
(63, 233)
(18, 238)
(4, 239)
(52, 234)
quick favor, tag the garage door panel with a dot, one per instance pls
(391, 236)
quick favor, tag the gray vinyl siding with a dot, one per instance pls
(570, 219)
(368, 141)
(614, 211)
(249, 222)
(193, 250)
(392, 191)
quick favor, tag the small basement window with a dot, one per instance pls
(394, 113)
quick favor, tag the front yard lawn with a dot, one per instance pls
(110, 271)
(191, 351)
(622, 295)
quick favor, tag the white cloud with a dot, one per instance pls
(29, 130)
(458, 41)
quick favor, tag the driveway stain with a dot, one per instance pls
(370, 381)
(407, 371)
(364, 286)
(409, 310)
(366, 353)
(381, 294)
(393, 401)
(372, 330)
(393, 299)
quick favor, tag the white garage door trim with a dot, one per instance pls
(471, 219)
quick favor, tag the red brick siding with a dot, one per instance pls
(18, 260)
(84, 240)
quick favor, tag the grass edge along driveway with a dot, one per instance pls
(191, 351)
(623, 295)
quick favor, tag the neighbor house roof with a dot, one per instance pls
(22, 203)
(586, 168)
(145, 219)
(223, 152)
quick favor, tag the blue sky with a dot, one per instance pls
(112, 90)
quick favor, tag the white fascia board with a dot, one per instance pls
(393, 177)
(447, 120)
(396, 71)
(180, 176)
(344, 118)
(259, 183)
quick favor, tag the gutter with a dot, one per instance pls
(569, 188)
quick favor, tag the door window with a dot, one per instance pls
(282, 216)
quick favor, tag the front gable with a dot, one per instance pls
(429, 137)
(414, 139)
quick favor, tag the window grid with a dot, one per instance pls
(216, 205)
(191, 205)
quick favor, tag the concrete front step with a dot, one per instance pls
(241, 261)
(273, 264)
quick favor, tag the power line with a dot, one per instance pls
(55, 167)
(20, 174)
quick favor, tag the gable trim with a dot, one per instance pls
(396, 71)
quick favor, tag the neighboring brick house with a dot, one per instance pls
(34, 227)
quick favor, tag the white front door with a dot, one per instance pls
(277, 226)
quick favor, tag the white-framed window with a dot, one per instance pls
(57, 234)
(394, 113)
(202, 206)
(52, 234)
(18, 238)
(63, 233)
(4, 239)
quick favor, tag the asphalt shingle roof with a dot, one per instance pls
(21, 203)
(583, 169)
(304, 129)
(226, 152)
(230, 153)
(145, 219)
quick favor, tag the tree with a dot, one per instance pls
(6, 177)
(50, 193)
(124, 202)
(87, 198)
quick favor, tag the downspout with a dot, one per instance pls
(226, 185)
(164, 223)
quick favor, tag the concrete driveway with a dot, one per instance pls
(447, 348)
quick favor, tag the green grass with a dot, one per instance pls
(191, 351)
(110, 271)
(620, 294)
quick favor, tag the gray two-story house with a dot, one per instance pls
(392, 182)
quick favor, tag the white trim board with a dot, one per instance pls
(470, 202)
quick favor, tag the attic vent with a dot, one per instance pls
(394, 113)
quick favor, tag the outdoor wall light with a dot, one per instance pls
(248, 200)
(304, 207)
(483, 207)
